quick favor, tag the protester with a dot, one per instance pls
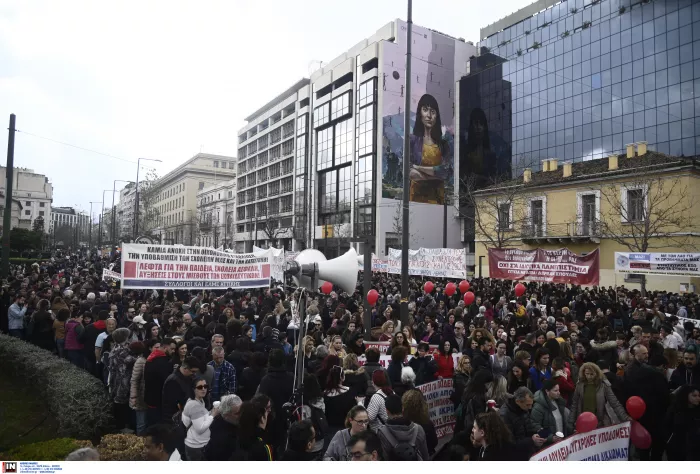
(401, 439)
(197, 419)
(682, 425)
(357, 421)
(223, 431)
(549, 414)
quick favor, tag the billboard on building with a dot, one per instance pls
(431, 115)
(687, 264)
(552, 266)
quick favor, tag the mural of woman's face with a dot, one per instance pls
(428, 115)
(478, 128)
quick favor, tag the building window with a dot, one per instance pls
(41, 204)
(274, 188)
(321, 115)
(286, 204)
(275, 153)
(366, 93)
(335, 188)
(365, 130)
(28, 203)
(288, 147)
(41, 213)
(216, 164)
(635, 205)
(231, 165)
(201, 185)
(537, 217)
(343, 143)
(340, 106)
(26, 213)
(274, 207)
(302, 122)
(504, 215)
(324, 148)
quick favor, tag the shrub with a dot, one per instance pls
(77, 400)
(121, 447)
(51, 450)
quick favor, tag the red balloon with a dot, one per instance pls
(450, 289)
(469, 298)
(519, 290)
(586, 422)
(639, 436)
(327, 287)
(372, 297)
(635, 407)
(428, 287)
(463, 286)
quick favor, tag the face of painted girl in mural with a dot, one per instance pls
(428, 116)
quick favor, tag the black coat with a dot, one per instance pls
(517, 420)
(156, 371)
(481, 361)
(278, 384)
(682, 430)
(684, 376)
(89, 337)
(643, 381)
(424, 368)
(222, 441)
(248, 382)
(176, 391)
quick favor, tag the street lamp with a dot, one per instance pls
(90, 230)
(99, 240)
(114, 190)
(136, 205)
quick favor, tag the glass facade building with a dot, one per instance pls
(582, 79)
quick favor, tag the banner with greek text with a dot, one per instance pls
(109, 275)
(161, 267)
(440, 407)
(378, 265)
(440, 263)
(277, 261)
(552, 266)
(603, 444)
(684, 264)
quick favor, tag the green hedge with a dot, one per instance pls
(52, 450)
(78, 400)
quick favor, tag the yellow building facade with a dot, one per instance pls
(644, 199)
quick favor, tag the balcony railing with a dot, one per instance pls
(587, 228)
(569, 231)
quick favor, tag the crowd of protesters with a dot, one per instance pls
(211, 375)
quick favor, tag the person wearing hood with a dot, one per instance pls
(594, 394)
(157, 369)
(400, 431)
(277, 384)
(603, 349)
(549, 413)
(89, 338)
(268, 341)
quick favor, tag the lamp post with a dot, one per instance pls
(136, 204)
(99, 241)
(90, 230)
(406, 169)
(114, 190)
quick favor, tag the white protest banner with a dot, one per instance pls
(441, 263)
(687, 264)
(682, 321)
(603, 444)
(109, 275)
(162, 267)
(438, 394)
(277, 262)
(378, 265)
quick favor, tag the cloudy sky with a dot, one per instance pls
(166, 79)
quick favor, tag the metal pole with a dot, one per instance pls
(406, 169)
(114, 189)
(444, 224)
(99, 236)
(7, 217)
(136, 204)
(90, 229)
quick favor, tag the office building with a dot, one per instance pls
(34, 192)
(168, 206)
(70, 225)
(215, 208)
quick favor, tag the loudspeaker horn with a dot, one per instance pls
(306, 257)
(341, 271)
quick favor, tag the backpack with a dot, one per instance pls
(402, 451)
(319, 421)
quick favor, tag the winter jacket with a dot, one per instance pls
(138, 385)
(73, 331)
(356, 381)
(481, 361)
(684, 376)
(459, 382)
(643, 381)
(445, 364)
(157, 369)
(177, 389)
(121, 364)
(337, 407)
(89, 337)
(222, 440)
(337, 449)
(607, 405)
(42, 334)
(370, 368)
(402, 430)
(542, 416)
(682, 430)
(15, 316)
(566, 384)
(278, 384)
(424, 368)
(517, 420)
(606, 351)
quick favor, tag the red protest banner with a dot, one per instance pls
(557, 266)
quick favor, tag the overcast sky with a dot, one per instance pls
(166, 79)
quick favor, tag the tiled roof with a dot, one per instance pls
(585, 170)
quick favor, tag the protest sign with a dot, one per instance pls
(553, 266)
(277, 261)
(442, 263)
(378, 265)
(603, 444)
(438, 394)
(109, 275)
(687, 264)
(161, 267)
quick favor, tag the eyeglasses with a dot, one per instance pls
(361, 422)
(358, 455)
(202, 387)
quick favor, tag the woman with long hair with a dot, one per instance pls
(399, 339)
(567, 355)
(540, 370)
(387, 331)
(445, 363)
(357, 421)
(354, 373)
(336, 347)
(375, 407)
(594, 394)
(59, 330)
(498, 390)
(519, 376)
(180, 354)
(431, 157)
(408, 332)
(492, 438)
(415, 409)
(474, 397)
(562, 376)
(682, 425)
(249, 442)
(327, 364)
(396, 364)
(197, 419)
(431, 335)
(461, 377)
(339, 399)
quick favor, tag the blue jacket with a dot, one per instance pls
(15, 316)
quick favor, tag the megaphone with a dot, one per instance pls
(312, 270)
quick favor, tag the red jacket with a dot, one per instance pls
(445, 364)
(566, 385)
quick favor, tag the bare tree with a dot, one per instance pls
(149, 215)
(647, 213)
(272, 228)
